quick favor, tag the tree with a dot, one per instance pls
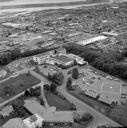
(26, 93)
(37, 91)
(69, 83)
(31, 92)
(53, 87)
(86, 117)
(47, 87)
(58, 78)
(37, 69)
(15, 53)
(17, 104)
(75, 73)
(40, 98)
(73, 107)
(8, 90)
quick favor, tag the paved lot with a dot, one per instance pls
(91, 80)
(112, 87)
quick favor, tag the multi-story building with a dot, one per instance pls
(46, 57)
(43, 58)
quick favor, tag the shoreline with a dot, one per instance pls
(17, 11)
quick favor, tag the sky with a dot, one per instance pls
(19, 2)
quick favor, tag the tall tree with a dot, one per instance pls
(75, 73)
(53, 87)
(69, 83)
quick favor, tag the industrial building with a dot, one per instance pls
(92, 40)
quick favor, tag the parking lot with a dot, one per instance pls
(95, 83)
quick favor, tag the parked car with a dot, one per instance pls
(110, 78)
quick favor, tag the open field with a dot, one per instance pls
(59, 103)
(16, 85)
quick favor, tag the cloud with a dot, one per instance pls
(6, 0)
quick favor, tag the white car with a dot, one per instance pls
(108, 77)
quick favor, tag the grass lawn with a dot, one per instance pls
(59, 103)
(16, 85)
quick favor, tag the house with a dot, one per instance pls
(14, 123)
(6, 111)
(43, 58)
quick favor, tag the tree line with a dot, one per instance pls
(7, 57)
(108, 62)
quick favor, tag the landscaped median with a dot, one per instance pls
(16, 85)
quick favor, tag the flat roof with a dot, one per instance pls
(60, 116)
(63, 58)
